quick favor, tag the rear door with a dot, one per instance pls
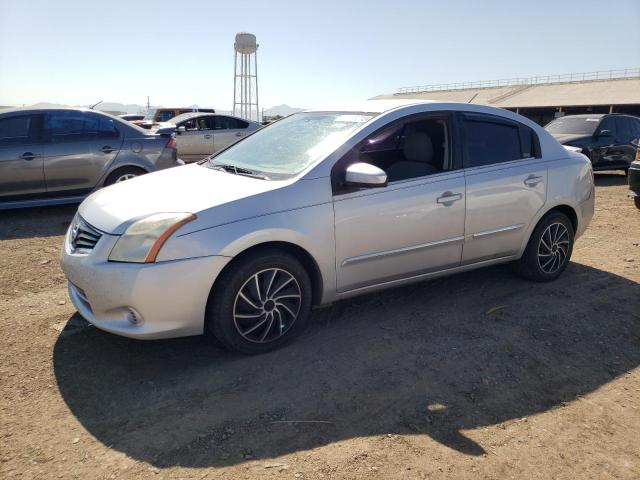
(506, 184)
(196, 142)
(21, 156)
(228, 130)
(78, 147)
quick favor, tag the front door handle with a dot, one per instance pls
(29, 155)
(239, 134)
(532, 180)
(107, 149)
(448, 198)
(207, 136)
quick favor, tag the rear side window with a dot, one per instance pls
(17, 130)
(488, 142)
(63, 127)
(229, 123)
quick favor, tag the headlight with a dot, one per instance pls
(142, 241)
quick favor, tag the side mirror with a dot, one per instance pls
(605, 133)
(181, 129)
(365, 175)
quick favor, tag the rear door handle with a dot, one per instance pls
(29, 155)
(207, 136)
(448, 198)
(532, 180)
(239, 134)
(107, 149)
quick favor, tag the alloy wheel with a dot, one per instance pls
(267, 305)
(553, 248)
(125, 177)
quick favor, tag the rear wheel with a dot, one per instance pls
(636, 200)
(260, 303)
(549, 249)
(124, 174)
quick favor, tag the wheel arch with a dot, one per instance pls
(562, 207)
(299, 253)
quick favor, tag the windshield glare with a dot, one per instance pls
(290, 145)
(578, 126)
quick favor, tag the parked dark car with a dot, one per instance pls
(609, 140)
(634, 180)
(55, 156)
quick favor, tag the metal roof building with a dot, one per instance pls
(543, 98)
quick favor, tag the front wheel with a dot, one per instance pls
(636, 200)
(549, 249)
(260, 302)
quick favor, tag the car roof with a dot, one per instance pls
(584, 115)
(372, 106)
(49, 109)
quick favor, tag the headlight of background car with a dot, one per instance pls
(142, 241)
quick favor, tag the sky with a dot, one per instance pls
(311, 53)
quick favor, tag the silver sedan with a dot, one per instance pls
(321, 206)
(198, 134)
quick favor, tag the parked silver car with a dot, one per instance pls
(321, 206)
(201, 134)
(54, 156)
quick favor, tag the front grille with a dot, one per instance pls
(83, 236)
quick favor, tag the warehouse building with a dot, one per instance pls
(543, 98)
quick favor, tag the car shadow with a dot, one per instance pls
(435, 359)
(35, 222)
(609, 179)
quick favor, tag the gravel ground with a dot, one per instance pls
(425, 381)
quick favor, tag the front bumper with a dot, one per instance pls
(633, 176)
(146, 301)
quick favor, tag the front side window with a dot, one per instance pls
(608, 123)
(289, 146)
(487, 142)
(204, 123)
(17, 130)
(404, 151)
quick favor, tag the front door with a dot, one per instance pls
(415, 224)
(505, 184)
(21, 156)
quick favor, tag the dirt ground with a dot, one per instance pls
(425, 381)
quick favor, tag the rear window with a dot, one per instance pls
(573, 126)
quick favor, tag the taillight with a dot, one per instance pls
(638, 154)
(171, 143)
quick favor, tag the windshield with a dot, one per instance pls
(290, 145)
(150, 113)
(575, 125)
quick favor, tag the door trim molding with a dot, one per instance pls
(495, 231)
(399, 251)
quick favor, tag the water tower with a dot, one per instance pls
(245, 78)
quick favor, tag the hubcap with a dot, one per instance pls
(553, 249)
(126, 176)
(267, 305)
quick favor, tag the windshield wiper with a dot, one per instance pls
(238, 170)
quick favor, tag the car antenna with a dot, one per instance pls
(95, 105)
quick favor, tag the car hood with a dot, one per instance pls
(569, 137)
(191, 189)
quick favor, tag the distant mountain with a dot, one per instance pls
(282, 110)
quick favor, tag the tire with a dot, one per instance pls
(556, 247)
(252, 323)
(123, 174)
(636, 200)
